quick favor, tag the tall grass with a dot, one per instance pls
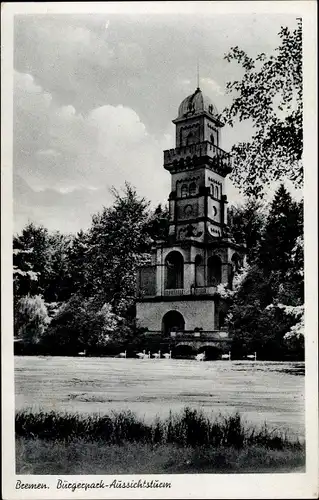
(190, 428)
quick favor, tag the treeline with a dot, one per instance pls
(76, 293)
(266, 313)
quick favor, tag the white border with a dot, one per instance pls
(183, 486)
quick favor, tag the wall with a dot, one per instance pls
(196, 313)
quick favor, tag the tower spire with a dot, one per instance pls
(197, 74)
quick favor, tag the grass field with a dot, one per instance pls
(188, 442)
(261, 391)
(78, 457)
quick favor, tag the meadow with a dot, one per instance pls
(260, 391)
(110, 415)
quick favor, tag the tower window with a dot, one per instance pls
(190, 139)
(212, 140)
(216, 191)
(192, 189)
(184, 191)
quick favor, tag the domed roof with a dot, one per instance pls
(196, 103)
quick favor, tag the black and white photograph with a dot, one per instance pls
(159, 322)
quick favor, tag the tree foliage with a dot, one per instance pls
(30, 319)
(271, 289)
(246, 224)
(40, 264)
(270, 96)
(88, 280)
(120, 240)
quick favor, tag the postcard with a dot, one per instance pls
(159, 250)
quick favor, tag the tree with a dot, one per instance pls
(80, 266)
(265, 306)
(119, 243)
(30, 319)
(158, 223)
(80, 324)
(245, 224)
(283, 226)
(40, 264)
(31, 261)
(270, 96)
(58, 285)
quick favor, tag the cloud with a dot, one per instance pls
(66, 159)
(212, 86)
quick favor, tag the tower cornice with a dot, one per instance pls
(212, 118)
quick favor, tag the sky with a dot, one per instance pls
(95, 96)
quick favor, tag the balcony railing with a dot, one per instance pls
(203, 149)
(176, 291)
(204, 290)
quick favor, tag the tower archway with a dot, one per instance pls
(174, 270)
(173, 321)
(214, 270)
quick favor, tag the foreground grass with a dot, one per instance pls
(189, 442)
(82, 457)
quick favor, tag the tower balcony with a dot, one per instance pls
(200, 290)
(190, 156)
(146, 286)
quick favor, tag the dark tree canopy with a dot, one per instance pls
(270, 96)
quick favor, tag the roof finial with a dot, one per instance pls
(197, 74)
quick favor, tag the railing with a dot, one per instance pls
(176, 291)
(201, 149)
(204, 290)
(173, 292)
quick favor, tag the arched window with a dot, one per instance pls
(212, 140)
(190, 139)
(192, 189)
(216, 191)
(214, 271)
(184, 191)
(199, 271)
(174, 270)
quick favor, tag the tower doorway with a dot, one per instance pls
(172, 321)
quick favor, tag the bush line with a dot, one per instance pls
(191, 427)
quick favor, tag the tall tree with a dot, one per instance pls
(245, 224)
(41, 264)
(270, 96)
(283, 226)
(264, 305)
(80, 266)
(31, 253)
(118, 244)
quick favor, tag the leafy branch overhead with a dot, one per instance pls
(270, 96)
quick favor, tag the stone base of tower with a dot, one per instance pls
(187, 316)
